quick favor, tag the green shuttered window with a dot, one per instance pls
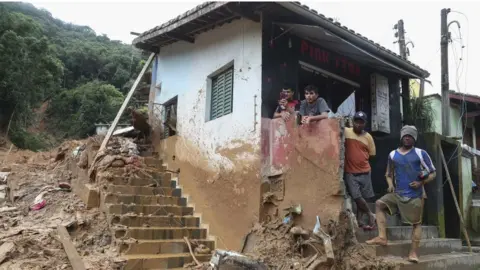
(222, 94)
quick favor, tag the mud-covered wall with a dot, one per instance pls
(302, 165)
(229, 200)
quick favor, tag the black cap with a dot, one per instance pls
(360, 115)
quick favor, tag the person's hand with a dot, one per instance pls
(415, 184)
(305, 120)
(283, 102)
(391, 189)
(285, 115)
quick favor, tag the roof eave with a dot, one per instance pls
(175, 24)
(352, 37)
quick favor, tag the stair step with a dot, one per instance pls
(161, 246)
(450, 261)
(115, 198)
(138, 190)
(398, 233)
(427, 246)
(160, 221)
(161, 261)
(154, 163)
(143, 181)
(160, 233)
(159, 210)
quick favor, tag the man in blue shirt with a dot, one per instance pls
(411, 168)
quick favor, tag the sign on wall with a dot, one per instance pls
(380, 103)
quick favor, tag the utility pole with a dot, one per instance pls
(444, 38)
(400, 34)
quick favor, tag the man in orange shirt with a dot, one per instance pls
(359, 147)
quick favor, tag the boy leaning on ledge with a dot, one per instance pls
(313, 108)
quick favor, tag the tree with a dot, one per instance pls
(78, 110)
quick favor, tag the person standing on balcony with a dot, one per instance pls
(359, 148)
(286, 105)
(411, 168)
(313, 108)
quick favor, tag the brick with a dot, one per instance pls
(161, 246)
(157, 221)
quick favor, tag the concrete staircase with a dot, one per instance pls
(434, 252)
(149, 219)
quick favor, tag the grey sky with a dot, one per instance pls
(372, 19)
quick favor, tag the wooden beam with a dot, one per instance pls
(465, 97)
(72, 254)
(472, 114)
(182, 37)
(125, 103)
(243, 12)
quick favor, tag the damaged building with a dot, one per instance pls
(217, 72)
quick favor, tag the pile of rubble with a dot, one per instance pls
(36, 199)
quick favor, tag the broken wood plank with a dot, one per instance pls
(125, 103)
(72, 254)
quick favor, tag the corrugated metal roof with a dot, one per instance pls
(147, 35)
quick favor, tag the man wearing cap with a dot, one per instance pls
(411, 168)
(359, 147)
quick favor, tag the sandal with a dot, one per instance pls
(412, 259)
(377, 241)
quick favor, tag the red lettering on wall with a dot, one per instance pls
(322, 56)
(304, 47)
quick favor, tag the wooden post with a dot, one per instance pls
(72, 254)
(464, 230)
(125, 103)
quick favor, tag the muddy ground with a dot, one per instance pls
(33, 233)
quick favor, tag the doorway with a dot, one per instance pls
(333, 88)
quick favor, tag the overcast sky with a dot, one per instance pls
(372, 19)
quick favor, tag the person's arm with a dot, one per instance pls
(372, 150)
(431, 169)
(278, 113)
(323, 108)
(389, 175)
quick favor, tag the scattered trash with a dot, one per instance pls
(327, 241)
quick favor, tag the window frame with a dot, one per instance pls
(210, 80)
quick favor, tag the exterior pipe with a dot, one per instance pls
(347, 35)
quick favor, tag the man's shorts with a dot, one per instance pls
(411, 209)
(359, 185)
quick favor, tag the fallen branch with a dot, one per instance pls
(191, 252)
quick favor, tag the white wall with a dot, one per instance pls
(183, 69)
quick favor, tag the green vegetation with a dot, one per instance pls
(423, 115)
(82, 75)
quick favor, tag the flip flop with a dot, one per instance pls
(412, 259)
(377, 241)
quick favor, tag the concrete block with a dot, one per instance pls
(87, 192)
(398, 233)
(139, 190)
(427, 246)
(160, 246)
(160, 233)
(113, 198)
(156, 210)
(450, 261)
(154, 221)
(161, 261)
